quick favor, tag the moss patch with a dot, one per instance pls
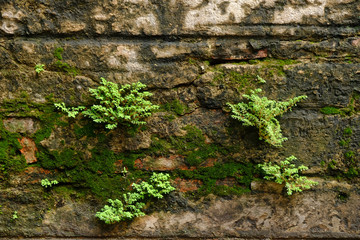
(11, 160)
(193, 146)
(97, 173)
(242, 172)
(352, 108)
(349, 166)
(247, 79)
(233, 79)
(63, 66)
(175, 106)
(330, 110)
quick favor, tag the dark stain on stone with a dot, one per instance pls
(223, 7)
(171, 17)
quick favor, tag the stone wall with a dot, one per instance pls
(194, 56)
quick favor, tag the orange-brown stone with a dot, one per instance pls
(187, 185)
(28, 149)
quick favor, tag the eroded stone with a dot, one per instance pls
(21, 125)
(28, 150)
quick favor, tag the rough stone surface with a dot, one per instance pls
(21, 125)
(225, 218)
(195, 56)
(28, 149)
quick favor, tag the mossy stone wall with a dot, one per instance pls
(194, 56)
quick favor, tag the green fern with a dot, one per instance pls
(133, 202)
(71, 112)
(261, 112)
(288, 173)
(46, 183)
(39, 68)
(125, 105)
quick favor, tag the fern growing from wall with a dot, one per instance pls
(261, 112)
(133, 202)
(116, 105)
(287, 173)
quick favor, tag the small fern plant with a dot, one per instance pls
(288, 173)
(125, 105)
(46, 183)
(133, 202)
(261, 112)
(39, 68)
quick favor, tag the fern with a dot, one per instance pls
(47, 183)
(261, 112)
(71, 112)
(125, 105)
(133, 202)
(288, 173)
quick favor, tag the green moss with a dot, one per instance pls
(242, 82)
(207, 63)
(170, 117)
(87, 130)
(349, 166)
(48, 120)
(347, 131)
(268, 68)
(344, 143)
(242, 172)
(19, 106)
(159, 146)
(58, 53)
(102, 185)
(45, 113)
(193, 139)
(281, 62)
(254, 61)
(198, 156)
(24, 95)
(96, 174)
(11, 159)
(175, 106)
(330, 110)
(22, 107)
(332, 164)
(129, 158)
(66, 159)
(63, 66)
(193, 146)
(352, 172)
(224, 191)
(352, 108)
(107, 187)
(272, 66)
(102, 161)
(43, 133)
(69, 192)
(349, 154)
(192, 61)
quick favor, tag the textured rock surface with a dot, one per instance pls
(195, 56)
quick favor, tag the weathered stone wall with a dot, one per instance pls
(195, 56)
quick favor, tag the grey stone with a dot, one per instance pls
(21, 125)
